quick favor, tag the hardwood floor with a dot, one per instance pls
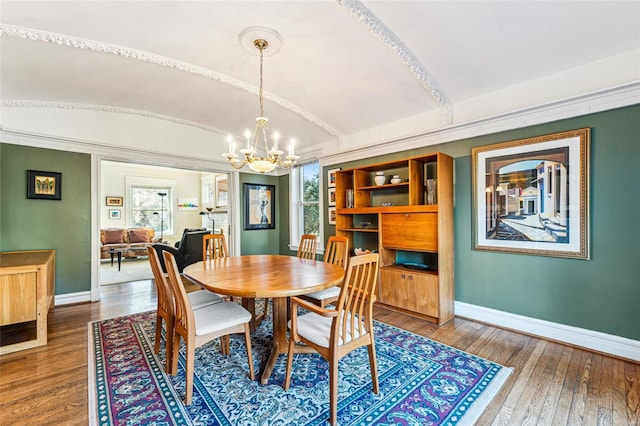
(552, 384)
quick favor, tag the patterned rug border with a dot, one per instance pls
(468, 415)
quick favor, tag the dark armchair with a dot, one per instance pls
(187, 251)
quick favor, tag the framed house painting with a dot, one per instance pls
(44, 185)
(530, 196)
(259, 206)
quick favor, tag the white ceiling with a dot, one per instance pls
(344, 67)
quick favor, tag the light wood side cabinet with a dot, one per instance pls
(27, 289)
(411, 224)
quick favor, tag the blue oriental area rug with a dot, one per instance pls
(422, 382)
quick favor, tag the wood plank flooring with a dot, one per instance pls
(552, 384)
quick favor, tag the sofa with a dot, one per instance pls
(130, 238)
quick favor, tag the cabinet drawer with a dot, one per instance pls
(410, 231)
(18, 298)
(412, 291)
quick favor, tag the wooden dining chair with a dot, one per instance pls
(199, 326)
(333, 333)
(167, 308)
(214, 245)
(337, 252)
(307, 247)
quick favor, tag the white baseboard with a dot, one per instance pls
(589, 339)
(69, 298)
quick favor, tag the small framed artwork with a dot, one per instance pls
(221, 192)
(530, 196)
(44, 185)
(332, 215)
(114, 213)
(332, 196)
(114, 201)
(331, 178)
(259, 206)
(187, 204)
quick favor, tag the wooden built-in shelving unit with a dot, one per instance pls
(407, 227)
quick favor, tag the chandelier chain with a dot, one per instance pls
(260, 48)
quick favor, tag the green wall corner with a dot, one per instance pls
(65, 225)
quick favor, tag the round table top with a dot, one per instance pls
(264, 275)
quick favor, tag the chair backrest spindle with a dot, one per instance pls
(307, 247)
(215, 245)
(337, 251)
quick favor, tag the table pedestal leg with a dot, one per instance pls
(280, 344)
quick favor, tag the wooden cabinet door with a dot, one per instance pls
(410, 231)
(18, 301)
(412, 291)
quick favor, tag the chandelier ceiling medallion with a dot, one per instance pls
(258, 140)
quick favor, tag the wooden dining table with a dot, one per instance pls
(266, 276)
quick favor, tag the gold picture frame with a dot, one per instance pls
(530, 196)
(114, 201)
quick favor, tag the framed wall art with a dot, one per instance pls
(259, 206)
(114, 201)
(331, 178)
(188, 204)
(331, 196)
(114, 214)
(530, 196)
(44, 185)
(332, 215)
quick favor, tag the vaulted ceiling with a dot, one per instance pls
(340, 69)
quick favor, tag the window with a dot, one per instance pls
(146, 207)
(305, 202)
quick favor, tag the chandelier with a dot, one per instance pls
(249, 155)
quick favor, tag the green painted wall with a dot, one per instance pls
(261, 241)
(64, 225)
(601, 294)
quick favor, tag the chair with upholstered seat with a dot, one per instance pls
(336, 253)
(333, 333)
(199, 326)
(214, 246)
(166, 305)
(307, 247)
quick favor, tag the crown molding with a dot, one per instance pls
(106, 108)
(112, 152)
(164, 61)
(602, 100)
(370, 21)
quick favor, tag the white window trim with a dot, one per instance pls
(295, 212)
(142, 181)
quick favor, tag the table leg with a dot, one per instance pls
(280, 344)
(112, 253)
(119, 260)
